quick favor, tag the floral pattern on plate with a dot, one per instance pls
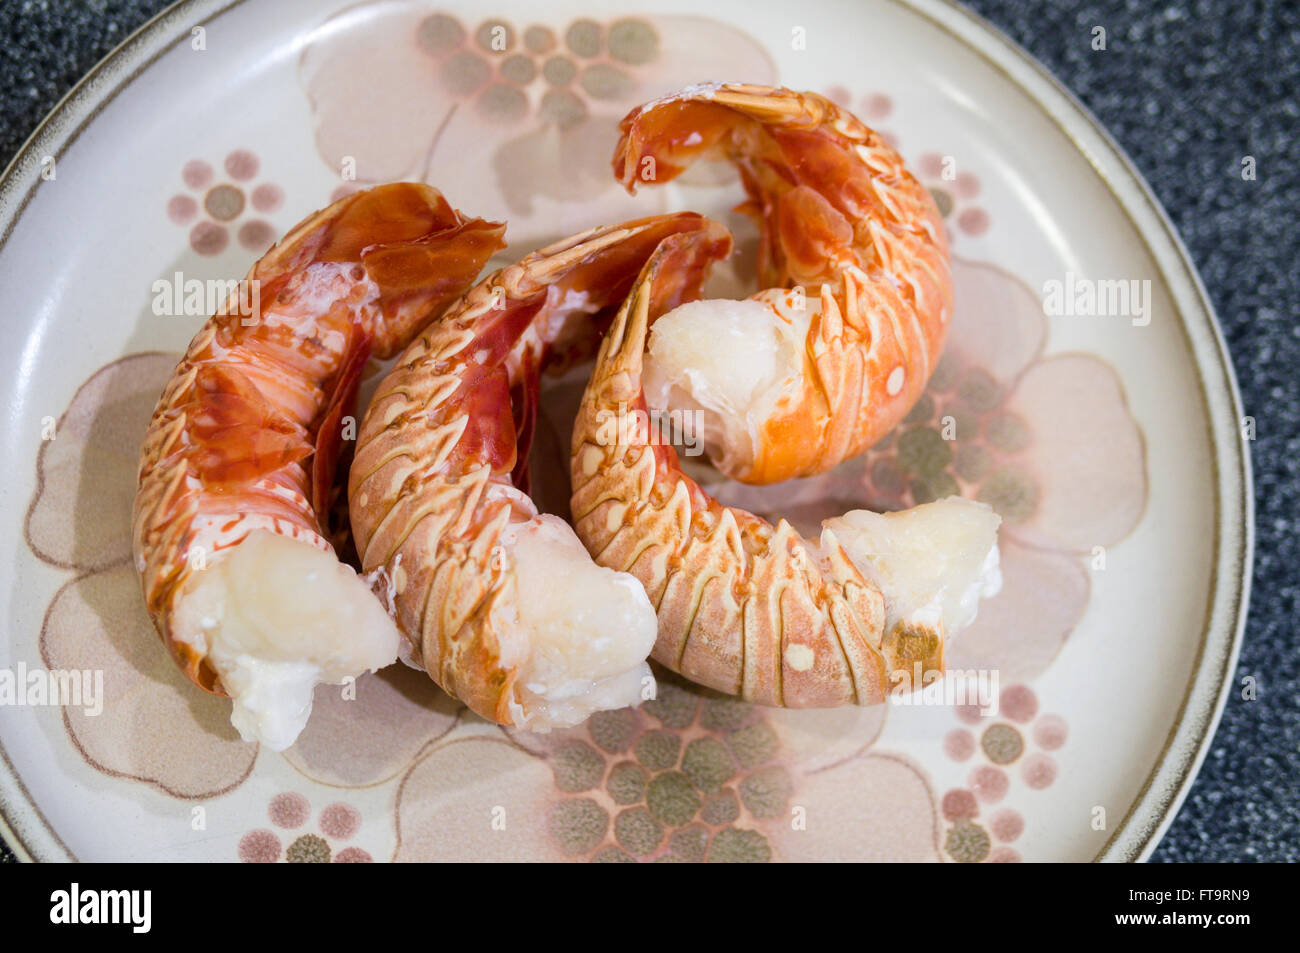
(530, 110)
(221, 205)
(980, 830)
(156, 727)
(336, 824)
(692, 775)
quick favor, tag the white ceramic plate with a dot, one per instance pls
(1110, 444)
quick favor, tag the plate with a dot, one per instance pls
(1085, 393)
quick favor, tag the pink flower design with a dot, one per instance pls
(363, 735)
(156, 727)
(337, 823)
(999, 747)
(955, 190)
(516, 122)
(690, 776)
(221, 205)
(1046, 440)
(872, 108)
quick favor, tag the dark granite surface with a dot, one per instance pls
(1187, 89)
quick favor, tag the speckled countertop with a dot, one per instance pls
(1187, 89)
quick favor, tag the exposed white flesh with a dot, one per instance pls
(276, 617)
(933, 563)
(730, 361)
(582, 632)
